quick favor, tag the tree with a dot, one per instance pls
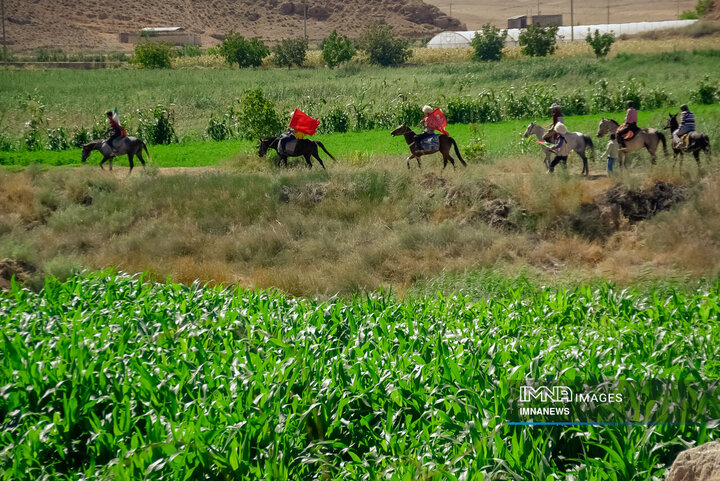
(600, 43)
(382, 47)
(290, 52)
(153, 54)
(257, 117)
(337, 49)
(538, 41)
(244, 52)
(488, 43)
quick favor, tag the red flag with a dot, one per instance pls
(302, 122)
(437, 121)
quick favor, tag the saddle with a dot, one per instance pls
(431, 143)
(287, 144)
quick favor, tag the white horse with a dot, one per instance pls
(644, 139)
(577, 141)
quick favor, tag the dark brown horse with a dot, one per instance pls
(301, 147)
(697, 141)
(129, 146)
(415, 152)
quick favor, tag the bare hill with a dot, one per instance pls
(89, 24)
(475, 13)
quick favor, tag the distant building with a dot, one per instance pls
(517, 22)
(547, 20)
(173, 35)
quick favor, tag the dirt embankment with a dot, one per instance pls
(87, 24)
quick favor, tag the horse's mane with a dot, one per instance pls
(614, 121)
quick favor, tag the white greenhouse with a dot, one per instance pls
(463, 39)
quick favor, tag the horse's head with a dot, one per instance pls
(87, 149)
(264, 146)
(401, 130)
(606, 126)
(672, 122)
(530, 130)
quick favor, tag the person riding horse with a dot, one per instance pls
(430, 124)
(558, 118)
(115, 130)
(631, 118)
(687, 125)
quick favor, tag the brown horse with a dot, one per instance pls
(129, 146)
(648, 139)
(415, 153)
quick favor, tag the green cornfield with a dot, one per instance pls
(108, 376)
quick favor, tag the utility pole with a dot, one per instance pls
(608, 12)
(2, 13)
(450, 9)
(538, 7)
(572, 22)
(305, 19)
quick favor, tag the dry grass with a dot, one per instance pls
(366, 226)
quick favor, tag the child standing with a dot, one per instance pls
(611, 152)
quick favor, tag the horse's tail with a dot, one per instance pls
(457, 151)
(146, 150)
(661, 136)
(589, 143)
(324, 149)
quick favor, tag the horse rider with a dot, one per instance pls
(687, 125)
(558, 118)
(631, 118)
(561, 148)
(115, 130)
(428, 128)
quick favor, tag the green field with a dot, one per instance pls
(108, 377)
(502, 140)
(76, 98)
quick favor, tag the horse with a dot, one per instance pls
(415, 153)
(577, 141)
(304, 147)
(130, 146)
(643, 139)
(697, 141)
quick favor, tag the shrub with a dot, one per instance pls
(408, 113)
(488, 43)
(602, 100)
(600, 43)
(574, 104)
(337, 49)
(57, 139)
(337, 120)
(219, 129)
(157, 126)
(628, 90)
(701, 9)
(484, 109)
(153, 55)
(189, 51)
(290, 52)
(382, 47)
(257, 117)
(476, 149)
(79, 137)
(98, 129)
(706, 93)
(655, 98)
(244, 52)
(537, 41)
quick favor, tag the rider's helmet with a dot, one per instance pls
(629, 104)
(684, 107)
(109, 114)
(428, 110)
(555, 106)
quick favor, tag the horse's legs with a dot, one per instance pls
(586, 169)
(130, 161)
(103, 161)
(696, 153)
(139, 155)
(307, 160)
(315, 154)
